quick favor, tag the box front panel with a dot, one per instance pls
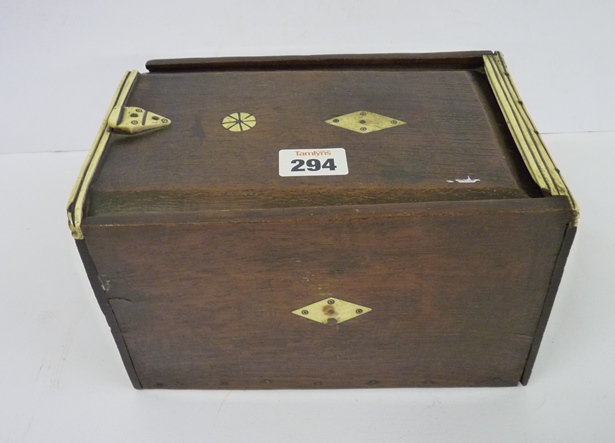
(455, 297)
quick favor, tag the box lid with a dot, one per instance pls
(257, 133)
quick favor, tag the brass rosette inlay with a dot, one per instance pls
(239, 121)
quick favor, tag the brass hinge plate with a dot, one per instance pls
(364, 122)
(118, 119)
(331, 311)
(130, 120)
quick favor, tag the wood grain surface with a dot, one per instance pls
(446, 60)
(456, 288)
(452, 132)
(198, 250)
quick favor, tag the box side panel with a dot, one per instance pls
(100, 287)
(456, 296)
(558, 271)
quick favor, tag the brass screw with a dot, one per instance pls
(394, 122)
(336, 120)
(305, 312)
(134, 122)
(359, 311)
(363, 128)
(164, 120)
(330, 301)
(139, 110)
(363, 113)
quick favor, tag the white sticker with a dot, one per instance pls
(307, 162)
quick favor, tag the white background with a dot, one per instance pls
(61, 60)
(61, 378)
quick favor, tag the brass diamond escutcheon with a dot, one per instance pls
(364, 122)
(331, 311)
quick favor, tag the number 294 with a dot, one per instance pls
(313, 164)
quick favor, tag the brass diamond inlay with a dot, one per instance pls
(364, 122)
(331, 311)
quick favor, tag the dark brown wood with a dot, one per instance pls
(456, 289)
(452, 132)
(558, 271)
(198, 251)
(100, 288)
(457, 60)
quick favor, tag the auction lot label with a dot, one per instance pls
(307, 162)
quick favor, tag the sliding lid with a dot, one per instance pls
(312, 131)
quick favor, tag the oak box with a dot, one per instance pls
(323, 221)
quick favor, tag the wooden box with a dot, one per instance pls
(323, 222)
